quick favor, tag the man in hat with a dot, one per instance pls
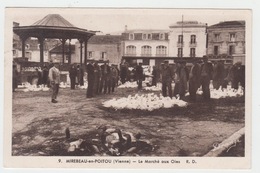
(194, 79)
(206, 76)
(167, 78)
(54, 77)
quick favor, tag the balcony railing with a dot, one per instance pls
(146, 54)
(180, 44)
(161, 55)
(193, 44)
(179, 55)
(130, 54)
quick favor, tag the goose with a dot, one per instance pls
(114, 142)
(122, 145)
(74, 145)
(141, 146)
(88, 147)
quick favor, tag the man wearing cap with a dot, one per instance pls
(194, 80)
(167, 77)
(54, 77)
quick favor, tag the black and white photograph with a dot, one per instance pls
(128, 87)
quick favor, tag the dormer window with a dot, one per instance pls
(131, 36)
(27, 46)
(147, 36)
(232, 37)
(162, 36)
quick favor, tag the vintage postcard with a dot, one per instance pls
(127, 88)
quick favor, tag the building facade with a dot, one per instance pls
(57, 52)
(227, 40)
(149, 47)
(102, 48)
(187, 39)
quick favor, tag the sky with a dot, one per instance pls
(113, 20)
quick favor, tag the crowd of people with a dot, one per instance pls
(102, 79)
(200, 75)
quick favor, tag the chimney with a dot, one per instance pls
(125, 27)
(15, 24)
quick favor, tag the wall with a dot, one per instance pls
(187, 32)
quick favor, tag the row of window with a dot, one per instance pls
(147, 36)
(146, 50)
(27, 46)
(160, 50)
(162, 37)
(232, 37)
(192, 52)
(231, 50)
(102, 55)
(192, 39)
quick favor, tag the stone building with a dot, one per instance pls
(227, 40)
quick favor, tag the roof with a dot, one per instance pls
(53, 20)
(188, 24)
(58, 49)
(228, 24)
(53, 26)
(105, 39)
(146, 31)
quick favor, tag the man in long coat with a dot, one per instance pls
(54, 77)
(97, 75)
(73, 75)
(194, 80)
(167, 78)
